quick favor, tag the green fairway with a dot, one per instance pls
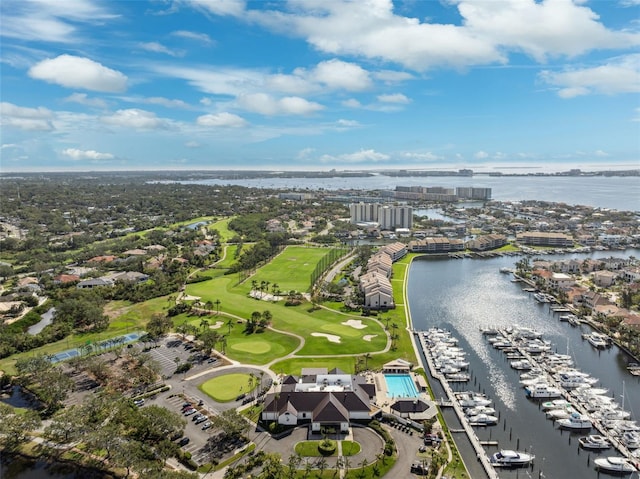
(295, 365)
(228, 387)
(257, 348)
(291, 269)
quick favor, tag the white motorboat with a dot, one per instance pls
(560, 413)
(521, 365)
(541, 298)
(575, 379)
(619, 465)
(555, 404)
(458, 377)
(576, 421)
(542, 390)
(594, 442)
(598, 340)
(509, 458)
(472, 400)
(630, 439)
(474, 411)
(482, 420)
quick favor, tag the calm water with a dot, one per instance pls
(464, 295)
(620, 193)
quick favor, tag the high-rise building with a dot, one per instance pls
(364, 212)
(473, 193)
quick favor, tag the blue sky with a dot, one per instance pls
(320, 84)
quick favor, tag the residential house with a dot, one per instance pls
(605, 278)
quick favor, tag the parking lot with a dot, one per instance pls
(174, 348)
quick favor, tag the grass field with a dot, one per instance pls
(227, 387)
(291, 269)
(295, 365)
(222, 226)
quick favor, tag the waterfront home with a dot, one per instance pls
(377, 291)
(605, 278)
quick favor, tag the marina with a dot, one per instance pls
(490, 303)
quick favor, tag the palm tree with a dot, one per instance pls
(254, 285)
(208, 306)
(363, 464)
(274, 288)
(322, 465)
(217, 303)
(223, 340)
(346, 463)
(230, 324)
(366, 360)
(204, 323)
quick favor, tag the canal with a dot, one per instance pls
(465, 295)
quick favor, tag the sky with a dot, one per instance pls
(541, 85)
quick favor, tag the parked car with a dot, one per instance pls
(206, 425)
(184, 441)
(197, 416)
(139, 402)
(189, 412)
(201, 420)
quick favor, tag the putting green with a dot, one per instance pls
(228, 387)
(257, 347)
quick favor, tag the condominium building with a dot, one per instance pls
(540, 238)
(389, 217)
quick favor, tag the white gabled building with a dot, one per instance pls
(377, 291)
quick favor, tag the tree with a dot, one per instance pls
(229, 324)
(322, 464)
(156, 423)
(204, 323)
(217, 303)
(159, 325)
(232, 423)
(15, 428)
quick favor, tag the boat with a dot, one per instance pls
(575, 422)
(630, 439)
(521, 365)
(594, 442)
(482, 420)
(560, 413)
(619, 465)
(506, 270)
(509, 458)
(575, 379)
(472, 400)
(598, 340)
(474, 411)
(458, 377)
(541, 298)
(555, 404)
(542, 390)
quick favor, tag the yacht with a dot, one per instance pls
(594, 442)
(560, 413)
(575, 379)
(555, 404)
(598, 340)
(576, 421)
(510, 458)
(541, 298)
(482, 420)
(630, 439)
(542, 390)
(619, 465)
(474, 411)
(521, 365)
(472, 400)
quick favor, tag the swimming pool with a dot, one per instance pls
(400, 385)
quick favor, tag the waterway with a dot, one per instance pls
(616, 192)
(465, 295)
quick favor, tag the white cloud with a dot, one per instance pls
(305, 153)
(352, 103)
(427, 156)
(78, 72)
(47, 21)
(361, 156)
(24, 118)
(347, 123)
(221, 120)
(192, 144)
(601, 154)
(481, 155)
(636, 116)
(157, 47)
(268, 105)
(233, 8)
(398, 98)
(83, 99)
(619, 75)
(135, 118)
(337, 74)
(390, 76)
(200, 37)
(486, 31)
(78, 155)
(158, 100)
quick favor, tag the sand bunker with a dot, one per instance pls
(217, 325)
(369, 337)
(186, 297)
(264, 296)
(355, 323)
(331, 337)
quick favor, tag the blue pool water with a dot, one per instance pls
(400, 385)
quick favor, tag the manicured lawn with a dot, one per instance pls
(295, 365)
(227, 387)
(350, 448)
(258, 348)
(291, 269)
(222, 227)
(310, 449)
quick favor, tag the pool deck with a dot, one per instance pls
(384, 402)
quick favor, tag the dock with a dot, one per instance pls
(452, 402)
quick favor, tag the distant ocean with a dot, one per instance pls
(619, 193)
